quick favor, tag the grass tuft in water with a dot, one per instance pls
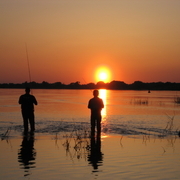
(6, 134)
(76, 142)
(140, 101)
(169, 128)
(177, 100)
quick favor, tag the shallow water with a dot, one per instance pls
(135, 141)
(125, 112)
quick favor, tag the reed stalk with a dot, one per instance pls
(6, 134)
(177, 100)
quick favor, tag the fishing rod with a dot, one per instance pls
(28, 63)
(29, 72)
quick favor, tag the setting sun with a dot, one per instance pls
(103, 74)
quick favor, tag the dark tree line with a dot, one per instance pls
(114, 85)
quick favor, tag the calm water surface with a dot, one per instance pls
(134, 143)
(125, 112)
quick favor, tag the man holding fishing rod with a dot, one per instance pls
(95, 104)
(27, 102)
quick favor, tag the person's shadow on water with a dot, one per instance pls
(27, 153)
(95, 156)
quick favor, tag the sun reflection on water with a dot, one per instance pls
(103, 96)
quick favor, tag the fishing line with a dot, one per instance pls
(87, 84)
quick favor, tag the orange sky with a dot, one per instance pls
(68, 40)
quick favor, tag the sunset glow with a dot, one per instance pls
(68, 41)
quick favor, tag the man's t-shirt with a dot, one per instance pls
(95, 104)
(27, 102)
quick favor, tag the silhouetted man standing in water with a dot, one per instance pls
(95, 104)
(27, 102)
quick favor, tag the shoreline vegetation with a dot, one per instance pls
(113, 85)
(82, 133)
